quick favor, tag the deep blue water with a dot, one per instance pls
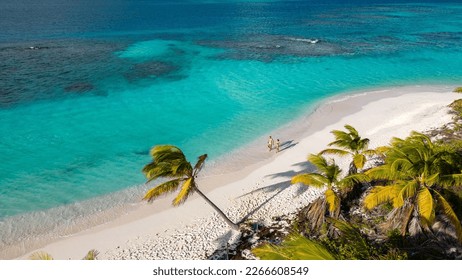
(87, 87)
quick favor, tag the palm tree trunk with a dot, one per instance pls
(223, 215)
(352, 169)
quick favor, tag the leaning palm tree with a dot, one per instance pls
(328, 176)
(349, 143)
(170, 162)
(416, 175)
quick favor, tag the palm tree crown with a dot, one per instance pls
(416, 172)
(328, 177)
(170, 162)
(350, 143)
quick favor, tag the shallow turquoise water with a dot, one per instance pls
(81, 107)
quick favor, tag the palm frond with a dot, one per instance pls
(336, 152)
(185, 192)
(380, 195)
(421, 138)
(166, 153)
(384, 172)
(379, 172)
(359, 160)
(451, 180)
(310, 179)
(340, 137)
(272, 252)
(363, 143)
(350, 140)
(333, 201)
(352, 235)
(433, 179)
(329, 170)
(382, 150)
(319, 161)
(91, 255)
(156, 170)
(449, 212)
(162, 189)
(426, 206)
(400, 165)
(409, 190)
(350, 180)
(168, 161)
(371, 152)
(352, 131)
(294, 247)
(40, 255)
(396, 142)
(200, 163)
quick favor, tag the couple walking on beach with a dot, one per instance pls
(271, 143)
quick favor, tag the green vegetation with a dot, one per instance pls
(350, 144)
(407, 206)
(170, 162)
(327, 176)
(44, 256)
(294, 247)
(457, 106)
(418, 188)
(458, 89)
(350, 245)
(416, 171)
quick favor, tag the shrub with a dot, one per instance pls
(456, 106)
(458, 89)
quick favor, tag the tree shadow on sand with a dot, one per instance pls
(227, 250)
(287, 145)
(224, 251)
(306, 168)
(279, 187)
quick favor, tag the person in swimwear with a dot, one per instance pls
(270, 143)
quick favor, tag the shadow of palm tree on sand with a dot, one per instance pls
(279, 187)
(287, 145)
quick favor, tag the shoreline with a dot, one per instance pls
(308, 134)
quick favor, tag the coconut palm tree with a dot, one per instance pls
(349, 143)
(416, 175)
(327, 176)
(170, 162)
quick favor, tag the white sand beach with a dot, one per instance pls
(261, 189)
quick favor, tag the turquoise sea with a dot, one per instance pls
(88, 87)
